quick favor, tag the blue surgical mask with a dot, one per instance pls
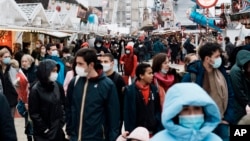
(191, 121)
(217, 62)
(6, 60)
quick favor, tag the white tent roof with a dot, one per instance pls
(34, 12)
(11, 13)
(66, 21)
(53, 17)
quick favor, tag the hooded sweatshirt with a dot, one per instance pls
(240, 84)
(130, 61)
(191, 94)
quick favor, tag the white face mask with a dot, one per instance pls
(26, 67)
(217, 62)
(164, 71)
(81, 71)
(127, 51)
(53, 76)
(54, 53)
(98, 45)
(106, 67)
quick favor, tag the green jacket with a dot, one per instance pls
(241, 84)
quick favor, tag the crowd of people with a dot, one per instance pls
(96, 88)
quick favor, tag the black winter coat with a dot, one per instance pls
(46, 105)
(46, 110)
(136, 113)
(7, 127)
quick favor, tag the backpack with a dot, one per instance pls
(116, 76)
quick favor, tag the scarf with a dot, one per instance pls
(216, 86)
(144, 91)
(164, 81)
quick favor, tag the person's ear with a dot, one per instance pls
(91, 65)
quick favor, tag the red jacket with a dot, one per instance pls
(130, 62)
(23, 88)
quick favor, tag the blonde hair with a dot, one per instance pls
(187, 58)
(29, 58)
(3, 51)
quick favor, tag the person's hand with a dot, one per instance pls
(67, 64)
(17, 82)
(247, 109)
(102, 52)
(125, 134)
(224, 122)
(122, 63)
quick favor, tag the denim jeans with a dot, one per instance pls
(223, 131)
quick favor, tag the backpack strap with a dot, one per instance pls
(193, 77)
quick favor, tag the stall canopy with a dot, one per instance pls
(11, 14)
(35, 14)
(56, 34)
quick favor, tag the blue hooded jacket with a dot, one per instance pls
(191, 94)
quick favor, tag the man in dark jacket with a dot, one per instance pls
(52, 53)
(7, 127)
(108, 65)
(210, 74)
(229, 47)
(92, 102)
(240, 76)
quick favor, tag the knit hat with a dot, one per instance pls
(139, 133)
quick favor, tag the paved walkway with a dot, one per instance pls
(19, 124)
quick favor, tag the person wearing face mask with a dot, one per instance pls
(46, 103)
(107, 61)
(129, 62)
(99, 46)
(163, 75)
(36, 51)
(9, 80)
(92, 108)
(240, 76)
(189, 114)
(142, 102)
(210, 74)
(52, 53)
(26, 76)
